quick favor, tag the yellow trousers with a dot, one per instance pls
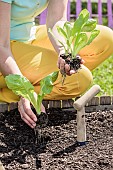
(37, 59)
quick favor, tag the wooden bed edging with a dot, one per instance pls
(95, 104)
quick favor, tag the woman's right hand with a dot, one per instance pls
(64, 67)
(26, 112)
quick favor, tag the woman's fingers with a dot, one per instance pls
(26, 118)
(28, 123)
(26, 113)
(61, 64)
(27, 109)
(65, 68)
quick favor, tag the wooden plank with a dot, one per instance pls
(89, 109)
(55, 104)
(67, 103)
(12, 106)
(93, 102)
(45, 103)
(105, 100)
(98, 108)
(112, 100)
(3, 107)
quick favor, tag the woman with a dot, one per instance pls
(30, 51)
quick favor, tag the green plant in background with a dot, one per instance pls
(103, 76)
(21, 86)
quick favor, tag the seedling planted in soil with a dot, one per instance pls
(21, 86)
(76, 36)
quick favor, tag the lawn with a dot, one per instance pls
(103, 76)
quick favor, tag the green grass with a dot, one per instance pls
(103, 76)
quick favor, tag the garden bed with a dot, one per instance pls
(56, 148)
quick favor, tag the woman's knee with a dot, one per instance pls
(100, 49)
(105, 38)
(85, 79)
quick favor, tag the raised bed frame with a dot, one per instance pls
(95, 104)
(85, 103)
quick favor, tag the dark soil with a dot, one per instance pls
(55, 147)
(74, 63)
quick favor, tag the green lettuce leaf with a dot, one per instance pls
(21, 86)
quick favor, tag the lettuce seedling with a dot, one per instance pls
(76, 35)
(21, 86)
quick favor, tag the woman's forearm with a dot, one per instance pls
(56, 16)
(7, 62)
(58, 47)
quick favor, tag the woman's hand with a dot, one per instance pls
(64, 67)
(26, 112)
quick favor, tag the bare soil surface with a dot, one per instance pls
(55, 146)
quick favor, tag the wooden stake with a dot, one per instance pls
(81, 127)
(1, 166)
(79, 105)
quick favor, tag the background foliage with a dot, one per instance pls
(103, 74)
(94, 10)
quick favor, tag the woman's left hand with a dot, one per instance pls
(27, 115)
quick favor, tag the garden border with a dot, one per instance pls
(95, 104)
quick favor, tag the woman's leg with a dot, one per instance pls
(100, 49)
(73, 86)
(39, 59)
(94, 54)
(37, 62)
